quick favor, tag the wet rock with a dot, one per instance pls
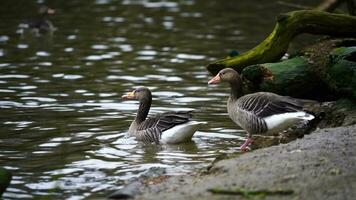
(151, 176)
(261, 141)
(153, 172)
(127, 192)
(338, 113)
(318, 166)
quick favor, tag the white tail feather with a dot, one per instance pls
(180, 133)
(277, 123)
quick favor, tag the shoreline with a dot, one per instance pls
(321, 165)
(302, 164)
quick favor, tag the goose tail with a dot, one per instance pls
(181, 133)
(306, 116)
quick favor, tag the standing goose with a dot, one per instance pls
(261, 112)
(170, 127)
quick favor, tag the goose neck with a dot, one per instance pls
(236, 89)
(143, 110)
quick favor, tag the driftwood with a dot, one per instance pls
(288, 26)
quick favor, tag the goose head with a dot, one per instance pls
(141, 94)
(45, 10)
(225, 75)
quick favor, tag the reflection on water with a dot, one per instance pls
(63, 122)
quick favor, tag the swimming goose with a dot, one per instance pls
(40, 25)
(170, 127)
(261, 112)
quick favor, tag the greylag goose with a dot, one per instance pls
(170, 127)
(261, 112)
(40, 25)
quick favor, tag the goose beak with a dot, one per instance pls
(51, 11)
(128, 96)
(215, 80)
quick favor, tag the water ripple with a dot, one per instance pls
(14, 76)
(41, 99)
(64, 121)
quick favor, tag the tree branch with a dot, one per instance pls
(287, 27)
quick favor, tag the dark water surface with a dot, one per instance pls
(62, 119)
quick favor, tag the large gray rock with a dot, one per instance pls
(319, 166)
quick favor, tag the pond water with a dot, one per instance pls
(62, 119)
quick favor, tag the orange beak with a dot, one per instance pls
(128, 96)
(215, 80)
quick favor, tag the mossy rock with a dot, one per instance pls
(343, 53)
(293, 77)
(342, 73)
(5, 179)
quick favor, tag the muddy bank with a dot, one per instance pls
(318, 166)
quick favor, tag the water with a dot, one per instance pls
(62, 119)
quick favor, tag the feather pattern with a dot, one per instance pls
(264, 104)
(166, 120)
(176, 125)
(251, 111)
(151, 129)
(261, 112)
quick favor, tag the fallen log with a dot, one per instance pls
(322, 71)
(287, 27)
(294, 77)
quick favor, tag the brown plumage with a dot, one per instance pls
(170, 127)
(261, 112)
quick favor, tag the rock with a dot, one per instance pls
(319, 166)
(127, 192)
(293, 77)
(341, 76)
(153, 172)
(151, 176)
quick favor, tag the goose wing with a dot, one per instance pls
(264, 104)
(151, 129)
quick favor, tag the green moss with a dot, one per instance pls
(287, 27)
(342, 74)
(253, 73)
(5, 179)
(346, 104)
(290, 76)
(342, 52)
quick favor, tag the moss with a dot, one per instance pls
(342, 73)
(346, 104)
(287, 27)
(5, 178)
(293, 77)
